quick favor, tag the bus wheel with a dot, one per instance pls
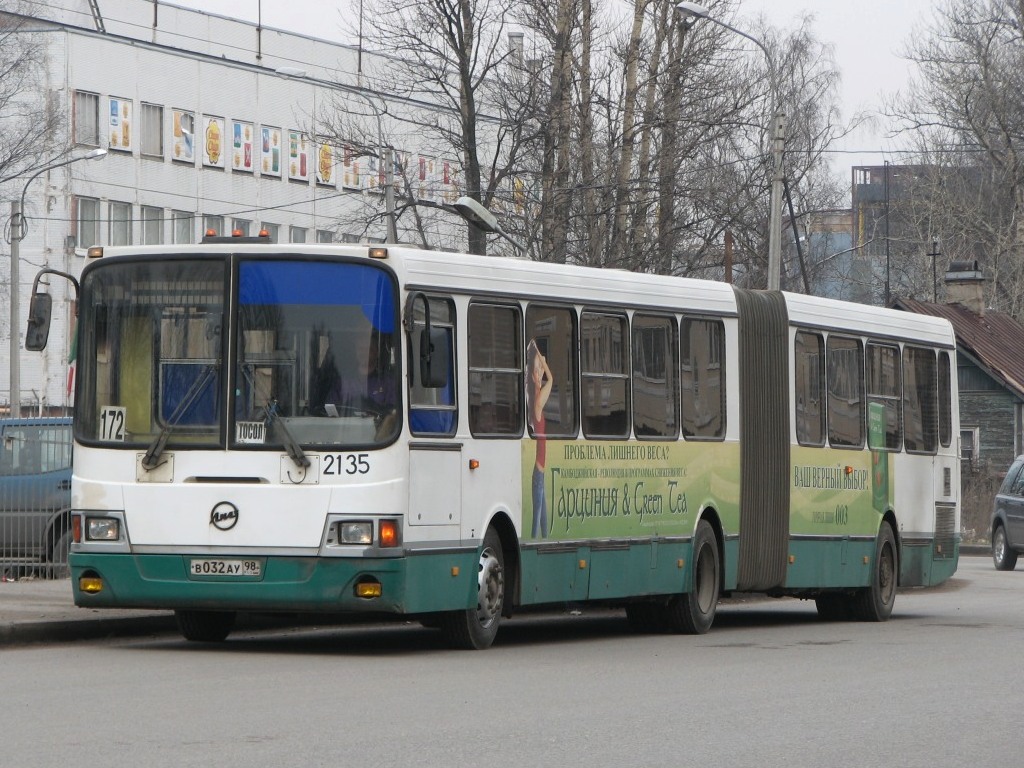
(692, 613)
(874, 603)
(205, 626)
(475, 628)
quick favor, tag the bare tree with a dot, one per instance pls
(31, 125)
(965, 114)
(450, 50)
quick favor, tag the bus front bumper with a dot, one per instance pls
(408, 585)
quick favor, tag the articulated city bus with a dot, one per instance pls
(449, 437)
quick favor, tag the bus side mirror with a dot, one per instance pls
(38, 330)
(434, 360)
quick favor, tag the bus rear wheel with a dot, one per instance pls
(875, 602)
(476, 628)
(693, 613)
(205, 626)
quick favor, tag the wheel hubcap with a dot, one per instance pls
(491, 587)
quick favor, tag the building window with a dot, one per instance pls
(86, 119)
(152, 225)
(87, 221)
(273, 230)
(213, 225)
(120, 224)
(970, 444)
(182, 227)
(152, 130)
(347, 237)
(296, 234)
(241, 226)
(324, 236)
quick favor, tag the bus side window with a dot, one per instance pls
(496, 390)
(433, 411)
(920, 400)
(845, 367)
(551, 342)
(809, 385)
(702, 362)
(655, 377)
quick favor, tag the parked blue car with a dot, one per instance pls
(35, 493)
(1008, 518)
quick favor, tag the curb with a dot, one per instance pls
(65, 630)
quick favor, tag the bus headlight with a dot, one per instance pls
(102, 529)
(355, 532)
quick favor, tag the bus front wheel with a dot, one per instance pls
(475, 628)
(693, 613)
(205, 626)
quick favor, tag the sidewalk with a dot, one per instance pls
(42, 611)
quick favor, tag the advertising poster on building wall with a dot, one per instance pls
(298, 156)
(213, 141)
(241, 146)
(183, 146)
(120, 124)
(270, 151)
(350, 177)
(325, 166)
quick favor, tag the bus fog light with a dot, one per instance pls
(90, 584)
(102, 529)
(356, 532)
(368, 589)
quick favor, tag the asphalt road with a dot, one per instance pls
(770, 685)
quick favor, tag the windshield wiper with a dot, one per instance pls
(152, 458)
(291, 445)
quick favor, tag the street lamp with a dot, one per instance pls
(388, 151)
(18, 231)
(697, 11)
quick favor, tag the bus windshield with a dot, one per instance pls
(311, 358)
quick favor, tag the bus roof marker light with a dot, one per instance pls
(95, 252)
(378, 253)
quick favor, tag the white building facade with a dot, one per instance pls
(208, 123)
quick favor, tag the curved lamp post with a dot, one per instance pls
(696, 11)
(18, 231)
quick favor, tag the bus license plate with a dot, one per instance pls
(225, 567)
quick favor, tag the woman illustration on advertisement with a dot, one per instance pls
(538, 389)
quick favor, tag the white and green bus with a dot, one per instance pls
(449, 437)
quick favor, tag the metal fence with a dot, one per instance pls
(35, 496)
